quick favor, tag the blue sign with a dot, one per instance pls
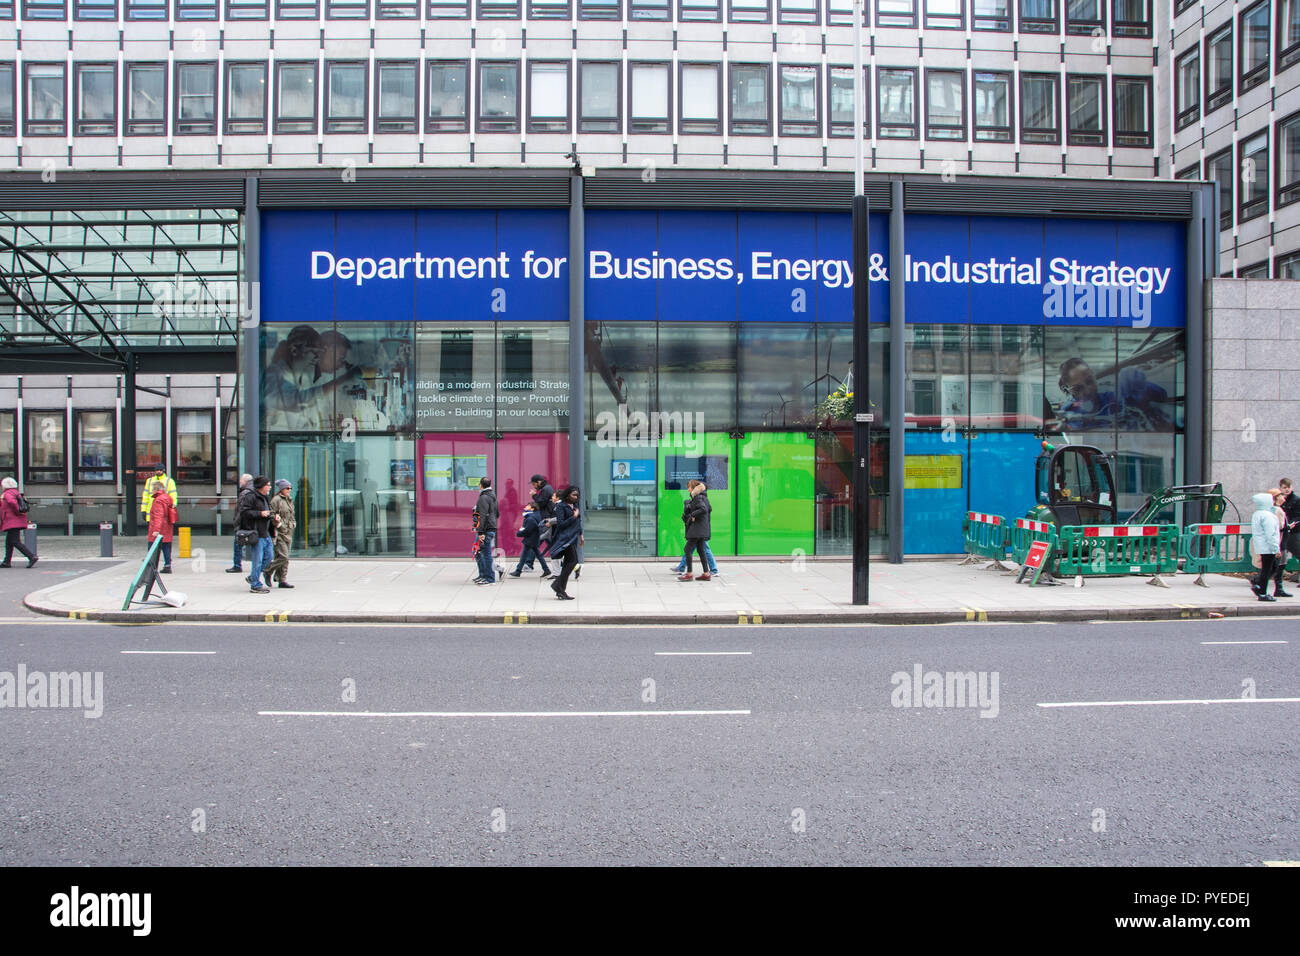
(468, 265)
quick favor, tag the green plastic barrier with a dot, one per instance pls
(1216, 549)
(1025, 532)
(1119, 549)
(984, 535)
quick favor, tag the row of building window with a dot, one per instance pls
(1253, 53)
(612, 97)
(1285, 267)
(1126, 17)
(1243, 180)
(95, 441)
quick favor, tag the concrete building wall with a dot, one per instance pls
(1253, 325)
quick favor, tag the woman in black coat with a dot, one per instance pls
(568, 538)
(695, 515)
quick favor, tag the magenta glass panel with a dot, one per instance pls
(448, 468)
(519, 457)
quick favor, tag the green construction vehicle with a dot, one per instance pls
(1074, 486)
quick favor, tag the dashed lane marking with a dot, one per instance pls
(703, 653)
(504, 713)
(167, 652)
(1154, 703)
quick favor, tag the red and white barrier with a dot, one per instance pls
(1122, 531)
(1204, 529)
(983, 518)
(1040, 526)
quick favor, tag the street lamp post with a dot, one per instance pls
(861, 335)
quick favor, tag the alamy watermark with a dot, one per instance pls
(65, 690)
(643, 430)
(922, 688)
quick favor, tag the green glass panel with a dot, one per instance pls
(774, 496)
(681, 458)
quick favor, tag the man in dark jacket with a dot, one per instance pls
(1290, 530)
(695, 515)
(486, 514)
(542, 495)
(531, 534)
(255, 515)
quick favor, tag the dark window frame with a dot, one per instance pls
(1250, 206)
(347, 10)
(9, 127)
(1227, 210)
(28, 122)
(242, 6)
(348, 124)
(750, 14)
(650, 11)
(687, 127)
(1147, 136)
(78, 469)
(1257, 75)
(669, 117)
(1085, 27)
(1216, 98)
(1185, 114)
(891, 18)
(494, 125)
(1131, 28)
(960, 130)
(590, 10)
(1048, 137)
(697, 11)
(287, 125)
(79, 126)
(297, 9)
(448, 9)
(257, 128)
(1008, 132)
(1088, 137)
(886, 130)
(130, 126)
(1287, 192)
(191, 11)
(786, 127)
(7, 467)
(802, 17)
(397, 9)
(1260, 269)
(396, 124)
(1286, 55)
(445, 124)
(550, 125)
(835, 128)
(1029, 24)
(146, 11)
(61, 415)
(147, 466)
(178, 469)
(210, 126)
(550, 9)
(766, 124)
(599, 124)
(46, 10)
(944, 21)
(1281, 262)
(498, 9)
(990, 23)
(87, 11)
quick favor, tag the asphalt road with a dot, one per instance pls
(185, 767)
(18, 581)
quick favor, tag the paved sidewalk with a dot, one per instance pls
(750, 591)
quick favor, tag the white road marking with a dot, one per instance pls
(703, 653)
(1153, 703)
(168, 652)
(1243, 642)
(504, 713)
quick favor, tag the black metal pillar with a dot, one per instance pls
(577, 329)
(897, 371)
(861, 402)
(250, 329)
(131, 506)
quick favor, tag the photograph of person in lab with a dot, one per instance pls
(321, 381)
(1137, 404)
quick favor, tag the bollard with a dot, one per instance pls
(29, 537)
(183, 542)
(105, 539)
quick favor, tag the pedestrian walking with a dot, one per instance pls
(162, 519)
(255, 515)
(1264, 534)
(1291, 528)
(13, 522)
(237, 563)
(286, 521)
(695, 515)
(568, 538)
(146, 496)
(486, 514)
(531, 535)
(1279, 565)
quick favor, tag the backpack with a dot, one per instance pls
(20, 503)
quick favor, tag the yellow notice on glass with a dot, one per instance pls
(938, 472)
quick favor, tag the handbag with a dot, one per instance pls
(246, 538)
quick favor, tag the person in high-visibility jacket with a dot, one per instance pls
(146, 499)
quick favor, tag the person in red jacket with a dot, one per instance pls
(13, 523)
(162, 516)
